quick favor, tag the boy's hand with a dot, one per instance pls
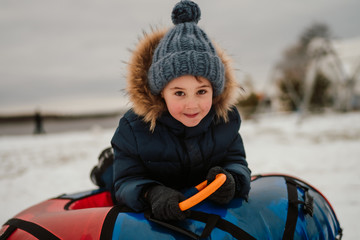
(164, 203)
(227, 191)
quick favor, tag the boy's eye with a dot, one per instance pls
(179, 93)
(202, 92)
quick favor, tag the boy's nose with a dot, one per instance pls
(191, 102)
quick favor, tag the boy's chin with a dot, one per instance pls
(190, 123)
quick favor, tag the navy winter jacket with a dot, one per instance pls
(175, 155)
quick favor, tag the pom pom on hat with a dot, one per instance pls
(185, 11)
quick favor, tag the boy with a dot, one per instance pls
(183, 126)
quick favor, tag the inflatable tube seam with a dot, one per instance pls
(32, 228)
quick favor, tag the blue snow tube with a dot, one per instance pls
(279, 207)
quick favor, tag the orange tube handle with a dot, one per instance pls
(204, 192)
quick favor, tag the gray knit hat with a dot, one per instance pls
(185, 50)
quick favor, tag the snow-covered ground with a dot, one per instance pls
(323, 150)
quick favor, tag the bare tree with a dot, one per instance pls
(292, 70)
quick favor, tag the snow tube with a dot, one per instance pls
(279, 207)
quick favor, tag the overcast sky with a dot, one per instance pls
(63, 50)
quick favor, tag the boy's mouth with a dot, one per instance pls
(191, 115)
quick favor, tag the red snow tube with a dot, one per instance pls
(86, 219)
(84, 215)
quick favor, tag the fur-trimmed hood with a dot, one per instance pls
(150, 106)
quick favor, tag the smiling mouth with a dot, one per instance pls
(191, 115)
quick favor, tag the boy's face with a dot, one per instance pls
(188, 99)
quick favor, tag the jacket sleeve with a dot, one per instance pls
(130, 175)
(235, 161)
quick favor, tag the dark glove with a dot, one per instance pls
(164, 203)
(227, 191)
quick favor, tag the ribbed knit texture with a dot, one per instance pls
(185, 50)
